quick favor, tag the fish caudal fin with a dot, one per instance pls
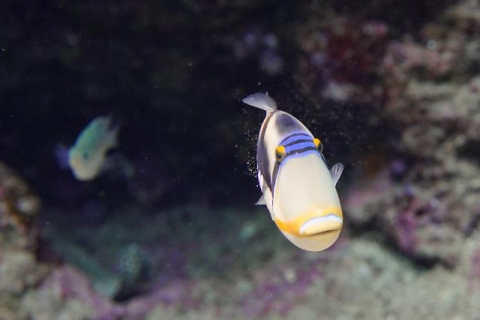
(61, 156)
(261, 101)
(336, 172)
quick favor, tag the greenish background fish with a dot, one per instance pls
(86, 158)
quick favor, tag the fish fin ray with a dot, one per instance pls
(261, 201)
(336, 171)
(261, 101)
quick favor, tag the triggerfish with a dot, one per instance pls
(298, 189)
(87, 156)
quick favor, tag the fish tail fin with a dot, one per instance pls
(61, 156)
(262, 101)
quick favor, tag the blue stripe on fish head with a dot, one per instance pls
(294, 137)
(298, 143)
(298, 147)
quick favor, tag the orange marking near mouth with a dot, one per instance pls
(293, 227)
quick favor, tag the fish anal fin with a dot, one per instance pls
(261, 201)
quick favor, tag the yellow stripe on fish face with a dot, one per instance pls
(313, 223)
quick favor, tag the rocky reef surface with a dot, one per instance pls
(212, 275)
(426, 200)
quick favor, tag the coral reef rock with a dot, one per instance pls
(428, 203)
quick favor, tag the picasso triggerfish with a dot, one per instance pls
(298, 189)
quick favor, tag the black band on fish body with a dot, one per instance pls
(286, 123)
(274, 179)
(263, 163)
(300, 151)
(296, 142)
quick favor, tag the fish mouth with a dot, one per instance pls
(321, 225)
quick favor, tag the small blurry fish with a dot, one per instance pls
(298, 189)
(87, 157)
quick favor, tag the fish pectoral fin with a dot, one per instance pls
(336, 171)
(261, 201)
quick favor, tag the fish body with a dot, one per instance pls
(298, 189)
(87, 156)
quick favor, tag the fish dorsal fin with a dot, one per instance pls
(261, 101)
(261, 201)
(336, 172)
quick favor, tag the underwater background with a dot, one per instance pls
(391, 87)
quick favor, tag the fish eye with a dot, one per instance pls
(85, 155)
(318, 144)
(280, 153)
